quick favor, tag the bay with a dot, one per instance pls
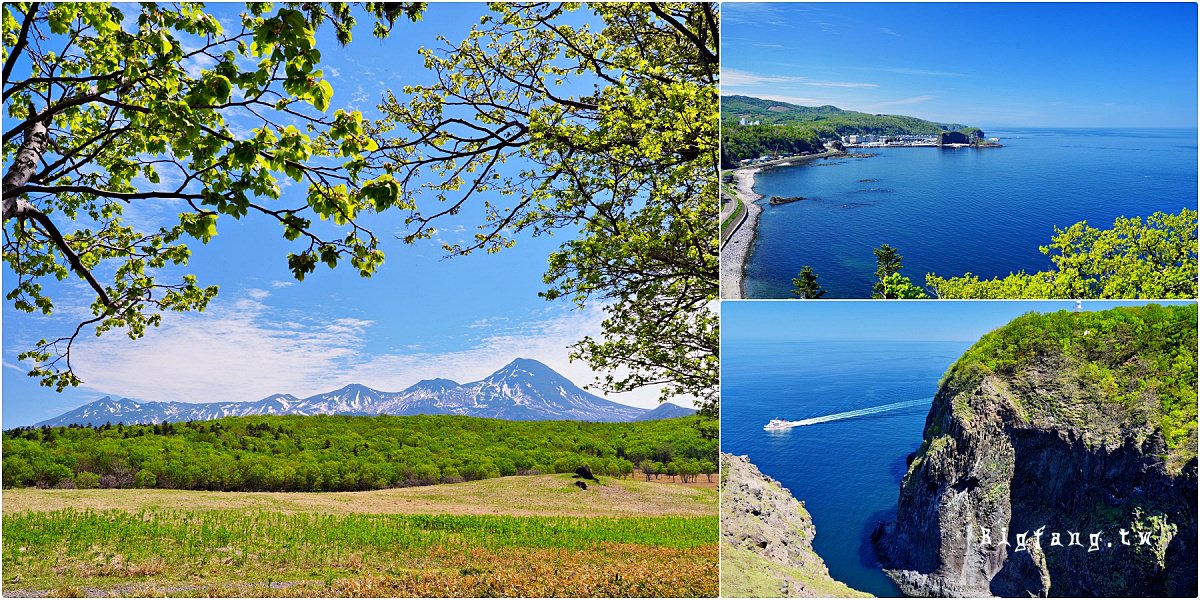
(847, 471)
(952, 211)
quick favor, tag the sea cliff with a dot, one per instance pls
(1058, 459)
(766, 539)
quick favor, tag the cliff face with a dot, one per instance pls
(766, 539)
(1051, 426)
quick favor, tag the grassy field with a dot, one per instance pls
(535, 495)
(513, 536)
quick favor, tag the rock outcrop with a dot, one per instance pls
(1059, 459)
(766, 539)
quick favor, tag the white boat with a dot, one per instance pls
(778, 424)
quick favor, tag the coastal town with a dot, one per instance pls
(914, 141)
(945, 139)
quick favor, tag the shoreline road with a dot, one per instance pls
(736, 248)
(739, 242)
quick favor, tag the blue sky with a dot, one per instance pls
(420, 316)
(1019, 64)
(873, 320)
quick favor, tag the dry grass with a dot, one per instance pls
(612, 570)
(546, 495)
(228, 553)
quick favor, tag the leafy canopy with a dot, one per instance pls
(609, 129)
(181, 109)
(1155, 258)
(891, 284)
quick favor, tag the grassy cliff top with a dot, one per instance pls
(1118, 370)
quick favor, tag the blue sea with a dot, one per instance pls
(847, 471)
(953, 211)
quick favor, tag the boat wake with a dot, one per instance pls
(778, 424)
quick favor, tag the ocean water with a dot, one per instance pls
(955, 211)
(847, 471)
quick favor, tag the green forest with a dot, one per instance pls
(346, 453)
(795, 128)
(740, 143)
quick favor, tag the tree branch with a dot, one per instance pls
(22, 209)
(706, 55)
(22, 41)
(83, 189)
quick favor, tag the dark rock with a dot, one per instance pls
(1035, 447)
(586, 473)
(777, 200)
(772, 534)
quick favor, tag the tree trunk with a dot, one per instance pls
(24, 167)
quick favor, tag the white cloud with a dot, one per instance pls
(240, 350)
(840, 84)
(888, 31)
(735, 78)
(911, 71)
(905, 101)
(231, 352)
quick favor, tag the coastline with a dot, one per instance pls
(736, 250)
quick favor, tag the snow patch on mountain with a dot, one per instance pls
(523, 390)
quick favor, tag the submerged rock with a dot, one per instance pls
(1059, 459)
(766, 539)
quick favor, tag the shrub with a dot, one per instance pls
(86, 480)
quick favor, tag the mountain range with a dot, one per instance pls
(524, 390)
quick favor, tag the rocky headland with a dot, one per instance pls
(766, 539)
(1059, 459)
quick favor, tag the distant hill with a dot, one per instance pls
(788, 129)
(845, 122)
(524, 390)
(666, 410)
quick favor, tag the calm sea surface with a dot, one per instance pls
(955, 211)
(846, 471)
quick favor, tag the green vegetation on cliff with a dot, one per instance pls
(1119, 370)
(1057, 423)
(341, 453)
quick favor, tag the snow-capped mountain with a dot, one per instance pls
(524, 390)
